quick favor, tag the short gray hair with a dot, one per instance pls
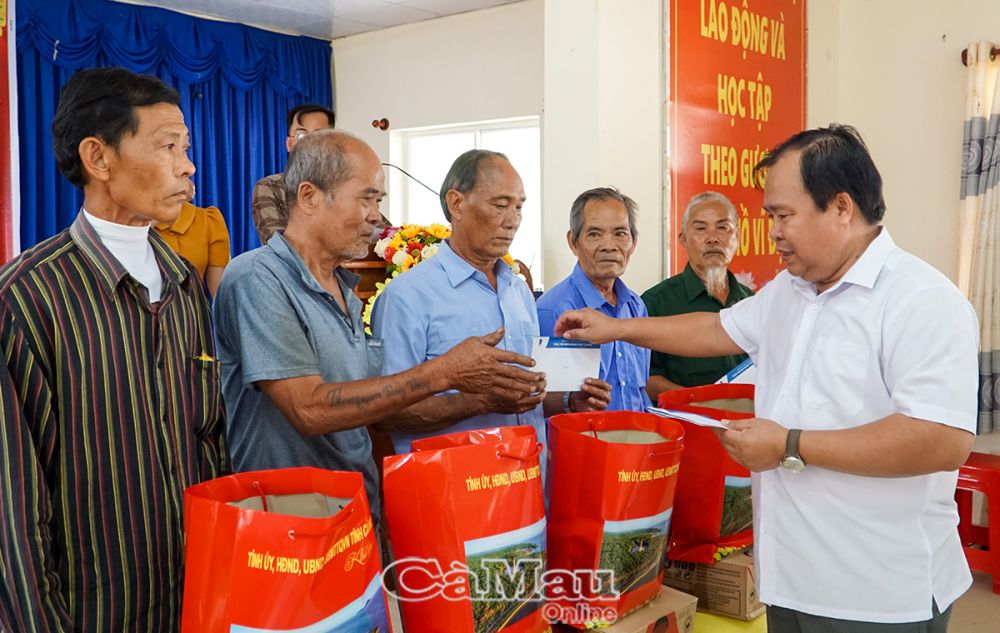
(464, 173)
(601, 193)
(705, 197)
(321, 159)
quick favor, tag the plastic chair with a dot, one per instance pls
(981, 473)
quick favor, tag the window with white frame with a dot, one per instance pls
(427, 154)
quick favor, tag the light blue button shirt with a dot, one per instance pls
(623, 365)
(432, 307)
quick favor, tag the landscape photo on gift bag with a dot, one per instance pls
(367, 614)
(633, 550)
(737, 506)
(505, 576)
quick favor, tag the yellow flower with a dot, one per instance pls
(366, 315)
(439, 231)
(509, 260)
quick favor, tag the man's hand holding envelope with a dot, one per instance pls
(570, 367)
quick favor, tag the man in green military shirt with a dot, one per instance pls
(708, 234)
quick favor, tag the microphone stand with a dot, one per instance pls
(412, 177)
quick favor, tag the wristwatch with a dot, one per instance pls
(792, 460)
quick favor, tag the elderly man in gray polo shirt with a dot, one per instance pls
(300, 378)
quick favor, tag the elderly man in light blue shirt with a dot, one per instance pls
(467, 289)
(300, 378)
(602, 235)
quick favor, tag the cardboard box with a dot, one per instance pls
(726, 588)
(671, 611)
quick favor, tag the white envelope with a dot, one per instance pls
(700, 420)
(565, 363)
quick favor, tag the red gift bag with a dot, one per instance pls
(281, 550)
(713, 509)
(611, 480)
(467, 530)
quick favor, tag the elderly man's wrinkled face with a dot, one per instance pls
(149, 176)
(709, 237)
(349, 219)
(486, 219)
(605, 243)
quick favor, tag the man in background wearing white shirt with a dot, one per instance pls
(866, 397)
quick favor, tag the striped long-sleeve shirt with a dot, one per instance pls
(111, 407)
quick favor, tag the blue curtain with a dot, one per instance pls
(236, 84)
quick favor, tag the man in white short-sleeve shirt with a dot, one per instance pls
(866, 401)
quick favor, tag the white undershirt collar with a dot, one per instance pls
(130, 246)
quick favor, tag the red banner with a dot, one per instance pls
(6, 198)
(737, 88)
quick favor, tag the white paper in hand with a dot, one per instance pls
(694, 418)
(565, 363)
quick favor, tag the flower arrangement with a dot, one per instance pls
(402, 248)
(406, 246)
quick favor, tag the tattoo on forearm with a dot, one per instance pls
(417, 385)
(360, 402)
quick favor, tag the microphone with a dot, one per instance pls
(412, 177)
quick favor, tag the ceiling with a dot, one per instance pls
(325, 19)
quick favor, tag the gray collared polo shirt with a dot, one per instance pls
(274, 320)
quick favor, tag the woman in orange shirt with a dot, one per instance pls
(200, 236)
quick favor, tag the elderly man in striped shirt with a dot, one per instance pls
(110, 388)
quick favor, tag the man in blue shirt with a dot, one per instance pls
(300, 378)
(467, 289)
(602, 235)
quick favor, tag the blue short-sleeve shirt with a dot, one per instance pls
(432, 307)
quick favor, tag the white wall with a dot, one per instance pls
(595, 65)
(468, 67)
(603, 121)
(895, 74)
(569, 124)
(822, 61)
(632, 122)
